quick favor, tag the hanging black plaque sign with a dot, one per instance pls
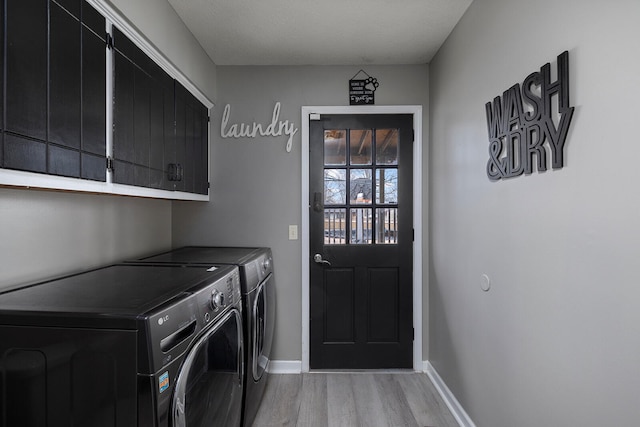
(362, 91)
(529, 123)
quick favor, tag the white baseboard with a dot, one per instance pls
(285, 367)
(450, 400)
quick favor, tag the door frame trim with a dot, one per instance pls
(416, 111)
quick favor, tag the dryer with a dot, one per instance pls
(124, 345)
(258, 298)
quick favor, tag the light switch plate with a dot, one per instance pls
(293, 232)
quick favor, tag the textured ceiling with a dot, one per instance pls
(322, 32)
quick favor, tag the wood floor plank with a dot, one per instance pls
(426, 404)
(341, 405)
(368, 401)
(281, 402)
(313, 401)
(395, 404)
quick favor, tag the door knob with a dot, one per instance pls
(317, 258)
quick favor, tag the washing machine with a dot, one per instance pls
(258, 297)
(124, 345)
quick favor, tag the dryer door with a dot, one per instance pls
(264, 306)
(209, 386)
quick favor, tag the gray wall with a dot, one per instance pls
(555, 341)
(256, 183)
(47, 233)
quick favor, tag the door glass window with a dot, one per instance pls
(360, 141)
(387, 186)
(360, 186)
(386, 225)
(361, 222)
(335, 147)
(387, 146)
(335, 186)
(335, 226)
(360, 191)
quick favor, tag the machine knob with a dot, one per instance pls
(217, 299)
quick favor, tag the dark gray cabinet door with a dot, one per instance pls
(26, 84)
(144, 119)
(65, 109)
(192, 123)
(160, 129)
(55, 88)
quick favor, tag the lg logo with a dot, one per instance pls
(163, 319)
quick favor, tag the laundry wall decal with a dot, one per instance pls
(529, 123)
(277, 127)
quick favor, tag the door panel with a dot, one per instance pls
(361, 233)
(339, 306)
(383, 298)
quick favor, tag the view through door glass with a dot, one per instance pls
(361, 241)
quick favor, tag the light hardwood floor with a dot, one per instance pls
(352, 399)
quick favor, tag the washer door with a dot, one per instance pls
(208, 390)
(263, 325)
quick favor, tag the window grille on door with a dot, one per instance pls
(360, 186)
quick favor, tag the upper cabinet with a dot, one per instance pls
(55, 96)
(82, 100)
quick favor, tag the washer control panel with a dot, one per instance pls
(173, 327)
(220, 295)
